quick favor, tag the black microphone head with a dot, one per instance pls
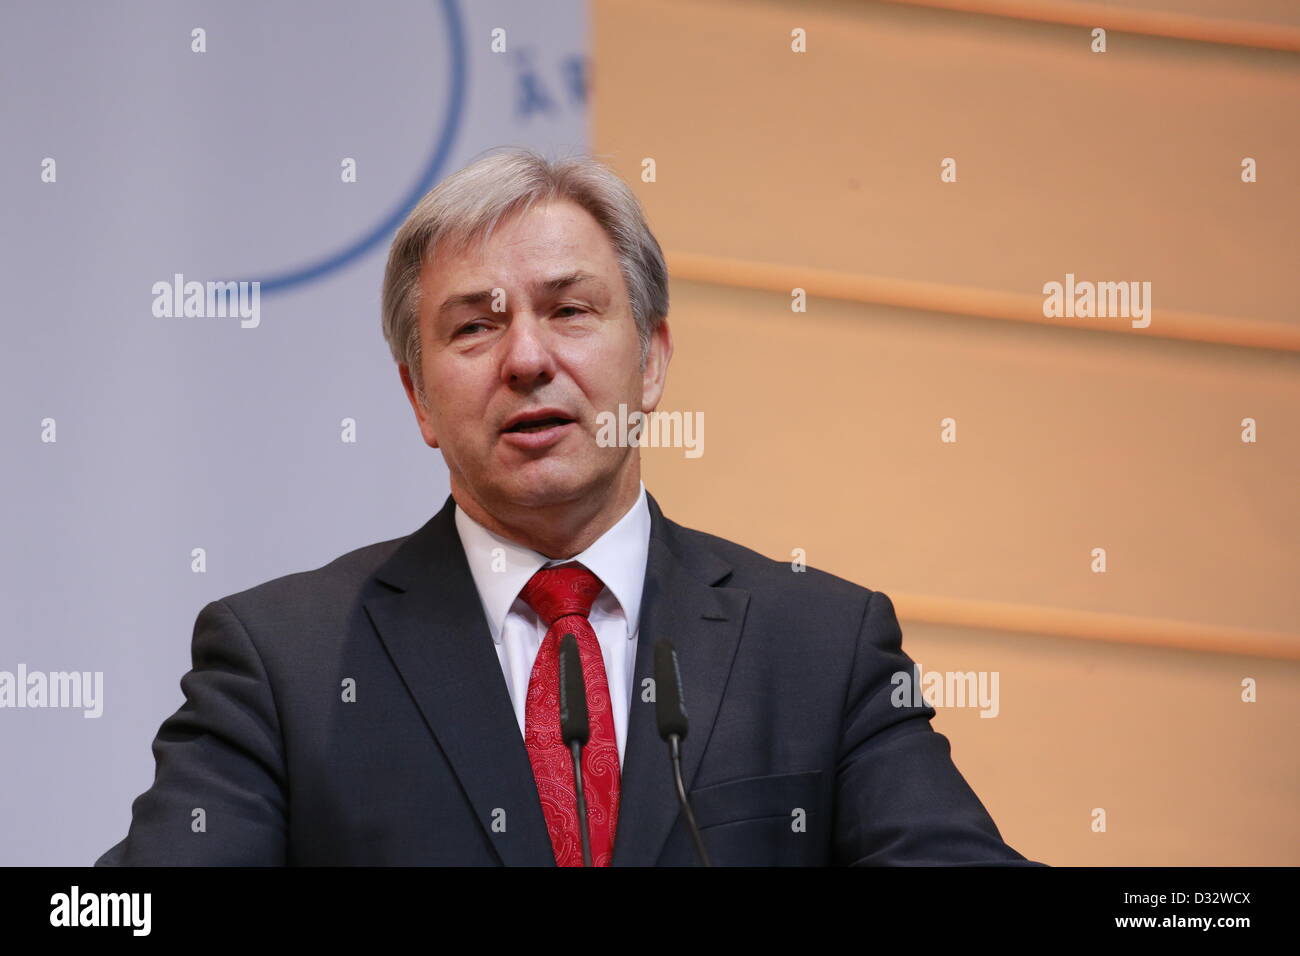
(573, 694)
(670, 705)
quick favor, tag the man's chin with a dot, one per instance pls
(542, 484)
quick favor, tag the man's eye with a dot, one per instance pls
(575, 308)
(470, 326)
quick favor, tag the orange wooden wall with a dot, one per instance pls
(777, 170)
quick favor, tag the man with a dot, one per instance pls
(400, 704)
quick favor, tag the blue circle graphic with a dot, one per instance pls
(431, 173)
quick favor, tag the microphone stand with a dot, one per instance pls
(575, 748)
(675, 758)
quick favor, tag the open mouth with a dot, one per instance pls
(538, 424)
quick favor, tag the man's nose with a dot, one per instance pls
(526, 357)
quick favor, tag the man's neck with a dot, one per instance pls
(557, 531)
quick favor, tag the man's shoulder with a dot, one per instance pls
(337, 584)
(756, 572)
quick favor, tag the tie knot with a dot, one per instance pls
(560, 591)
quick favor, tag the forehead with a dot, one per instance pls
(550, 239)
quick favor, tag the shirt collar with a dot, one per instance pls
(501, 567)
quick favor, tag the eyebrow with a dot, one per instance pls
(548, 286)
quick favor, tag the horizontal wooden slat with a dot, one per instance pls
(1096, 626)
(984, 303)
(1226, 25)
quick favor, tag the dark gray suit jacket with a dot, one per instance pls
(795, 754)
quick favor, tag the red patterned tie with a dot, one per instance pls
(562, 597)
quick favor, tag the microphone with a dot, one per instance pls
(574, 726)
(670, 714)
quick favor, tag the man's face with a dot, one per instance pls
(512, 395)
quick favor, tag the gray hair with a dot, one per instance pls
(468, 205)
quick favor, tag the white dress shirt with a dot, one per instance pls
(501, 568)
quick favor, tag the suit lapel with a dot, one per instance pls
(432, 624)
(681, 603)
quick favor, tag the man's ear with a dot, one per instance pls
(421, 413)
(655, 374)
